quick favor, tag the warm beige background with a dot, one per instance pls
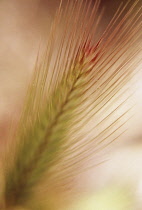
(23, 23)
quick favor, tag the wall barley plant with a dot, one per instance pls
(78, 101)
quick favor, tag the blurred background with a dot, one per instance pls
(114, 185)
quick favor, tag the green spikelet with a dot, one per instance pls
(46, 136)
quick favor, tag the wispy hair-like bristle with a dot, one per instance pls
(78, 99)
